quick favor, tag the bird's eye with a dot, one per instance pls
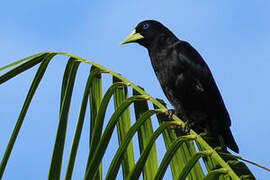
(145, 26)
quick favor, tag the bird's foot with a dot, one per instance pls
(187, 127)
(170, 113)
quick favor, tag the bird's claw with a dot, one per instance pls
(187, 127)
(170, 113)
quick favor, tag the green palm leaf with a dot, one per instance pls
(182, 156)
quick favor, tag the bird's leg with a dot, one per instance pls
(170, 113)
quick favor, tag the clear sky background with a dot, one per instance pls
(233, 37)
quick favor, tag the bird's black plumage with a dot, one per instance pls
(186, 81)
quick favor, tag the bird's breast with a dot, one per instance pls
(168, 71)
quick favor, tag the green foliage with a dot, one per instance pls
(182, 156)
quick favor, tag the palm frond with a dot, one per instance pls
(182, 155)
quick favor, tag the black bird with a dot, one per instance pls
(186, 81)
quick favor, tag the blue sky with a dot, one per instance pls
(233, 38)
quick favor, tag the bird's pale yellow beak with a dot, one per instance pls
(133, 36)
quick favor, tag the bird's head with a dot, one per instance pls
(147, 32)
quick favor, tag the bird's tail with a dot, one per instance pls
(229, 140)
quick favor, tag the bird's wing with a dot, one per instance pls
(194, 63)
